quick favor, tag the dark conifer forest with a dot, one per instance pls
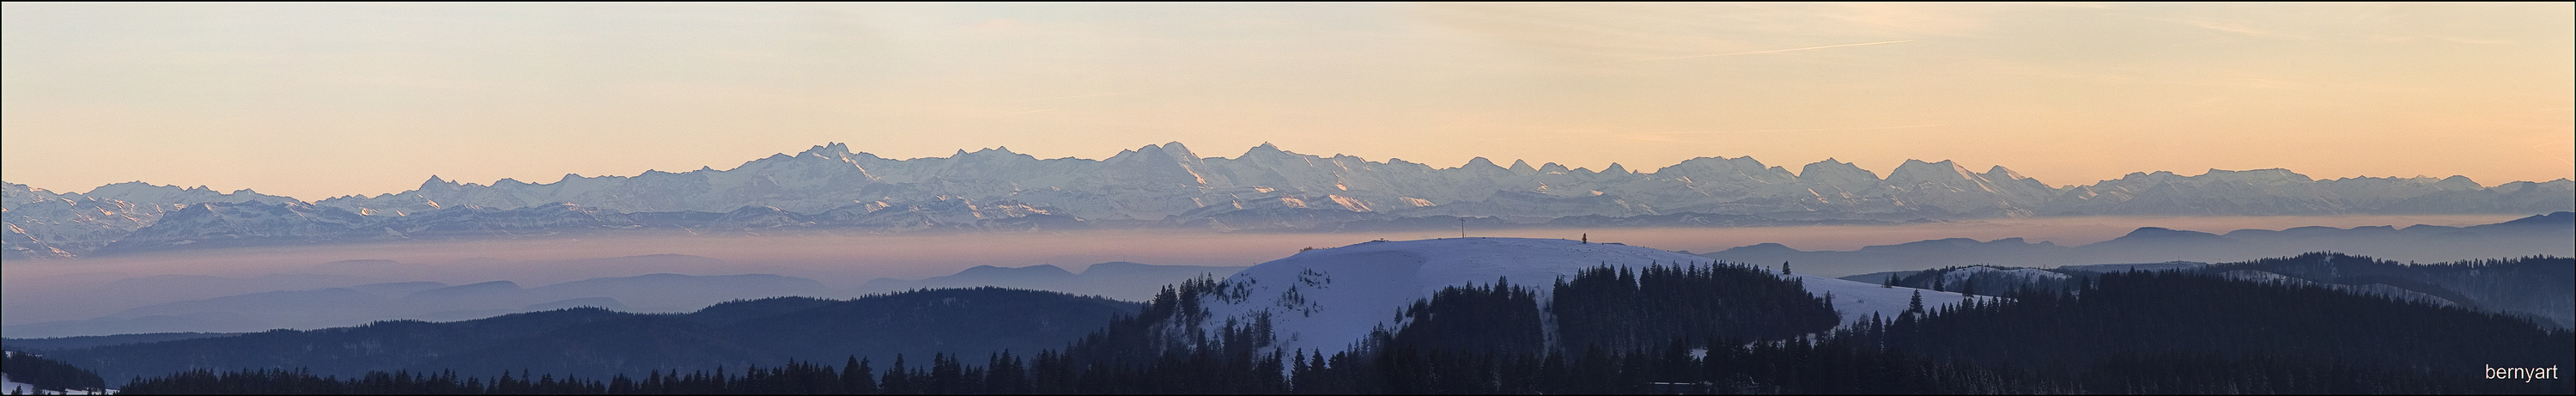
(48, 374)
(598, 343)
(1721, 328)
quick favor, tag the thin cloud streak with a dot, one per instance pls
(1791, 130)
(1075, 96)
(1647, 135)
(1756, 52)
(2546, 154)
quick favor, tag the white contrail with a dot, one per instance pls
(1792, 130)
(1758, 52)
(2546, 154)
(1075, 96)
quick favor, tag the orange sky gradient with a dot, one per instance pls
(320, 100)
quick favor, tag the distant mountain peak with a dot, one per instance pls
(2008, 174)
(1480, 163)
(2270, 175)
(834, 150)
(1177, 149)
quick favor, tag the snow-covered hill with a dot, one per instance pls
(10, 387)
(1329, 299)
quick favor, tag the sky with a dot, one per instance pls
(320, 100)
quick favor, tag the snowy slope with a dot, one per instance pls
(1329, 299)
(1858, 300)
(20, 388)
(1962, 275)
(2375, 289)
(15, 387)
(11, 387)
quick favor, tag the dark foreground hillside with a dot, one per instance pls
(2542, 288)
(43, 375)
(597, 343)
(1692, 329)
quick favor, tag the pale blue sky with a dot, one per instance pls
(316, 100)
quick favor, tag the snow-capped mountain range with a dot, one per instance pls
(832, 187)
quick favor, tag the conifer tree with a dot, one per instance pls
(857, 378)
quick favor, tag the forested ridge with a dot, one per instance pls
(48, 374)
(597, 343)
(1669, 329)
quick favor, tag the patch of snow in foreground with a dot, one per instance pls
(1327, 300)
(1858, 300)
(20, 388)
(1963, 275)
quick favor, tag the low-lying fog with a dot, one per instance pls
(39, 291)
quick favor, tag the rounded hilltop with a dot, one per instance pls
(1327, 299)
